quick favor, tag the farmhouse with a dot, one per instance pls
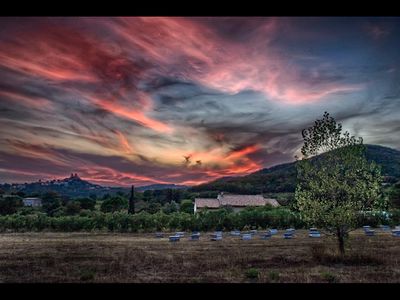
(34, 202)
(237, 202)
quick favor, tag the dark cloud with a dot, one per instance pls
(123, 100)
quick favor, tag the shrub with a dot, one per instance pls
(252, 273)
(187, 206)
(87, 275)
(72, 208)
(50, 202)
(273, 275)
(9, 204)
(87, 203)
(114, 204)
(329, 277)
(122, 221)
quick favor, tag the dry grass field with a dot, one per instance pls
(138, 258)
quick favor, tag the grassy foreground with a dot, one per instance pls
(138, 258)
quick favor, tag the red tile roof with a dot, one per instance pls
(235, 201)
(206, 202)
(242, 200)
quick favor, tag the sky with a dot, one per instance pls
(186, 100)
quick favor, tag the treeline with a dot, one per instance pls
(251, 218)
(55, 205)
(224, 219)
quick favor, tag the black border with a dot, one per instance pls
(198, 8)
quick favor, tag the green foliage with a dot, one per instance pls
(87, 203)
(334, 188)
(252, 273)
(152, 207)
(87, 275)
(121, 221)
(170, 207)
(394, 217)
(114, 204)
(51, 201)
(59, 212)
(19, 193)
(329, 277)
(394, 194)
(73, 208)
(273, 275)
(26, 210)
(187, 206)
(9, 204)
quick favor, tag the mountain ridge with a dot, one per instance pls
(282, 178)
(74, 186)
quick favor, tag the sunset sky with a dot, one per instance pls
(149, 100)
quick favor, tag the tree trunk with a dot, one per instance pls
(131, 208)
(340, 235)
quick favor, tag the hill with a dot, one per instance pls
(153, 187)
(282, 178)
(74, 186)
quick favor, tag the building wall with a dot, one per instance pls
(37, 203)
(205, 208)
(235, 208)
(33, 203)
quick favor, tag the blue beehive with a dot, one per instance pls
(216, 238)
(366, 227)
(385, 227)
(235, 233)
(273, 231)
(246, 236)
(396, 232)
(174, 238)
(288, 235)
(314, 233)
(267, 235)
(194, 237)
(370, 232)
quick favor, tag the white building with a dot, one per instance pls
(33, 202)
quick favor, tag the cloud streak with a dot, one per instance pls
(124, 100)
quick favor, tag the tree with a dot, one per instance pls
(19, 193)
(187, 206)
(394, 194)
(93, 196)
(73, 208)
(153, 207)
(147, 195)
(114, 204)
(9, 204)
(50, 202)
(334, 188)
(131, 209)
(170, 207)
(86, 203)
